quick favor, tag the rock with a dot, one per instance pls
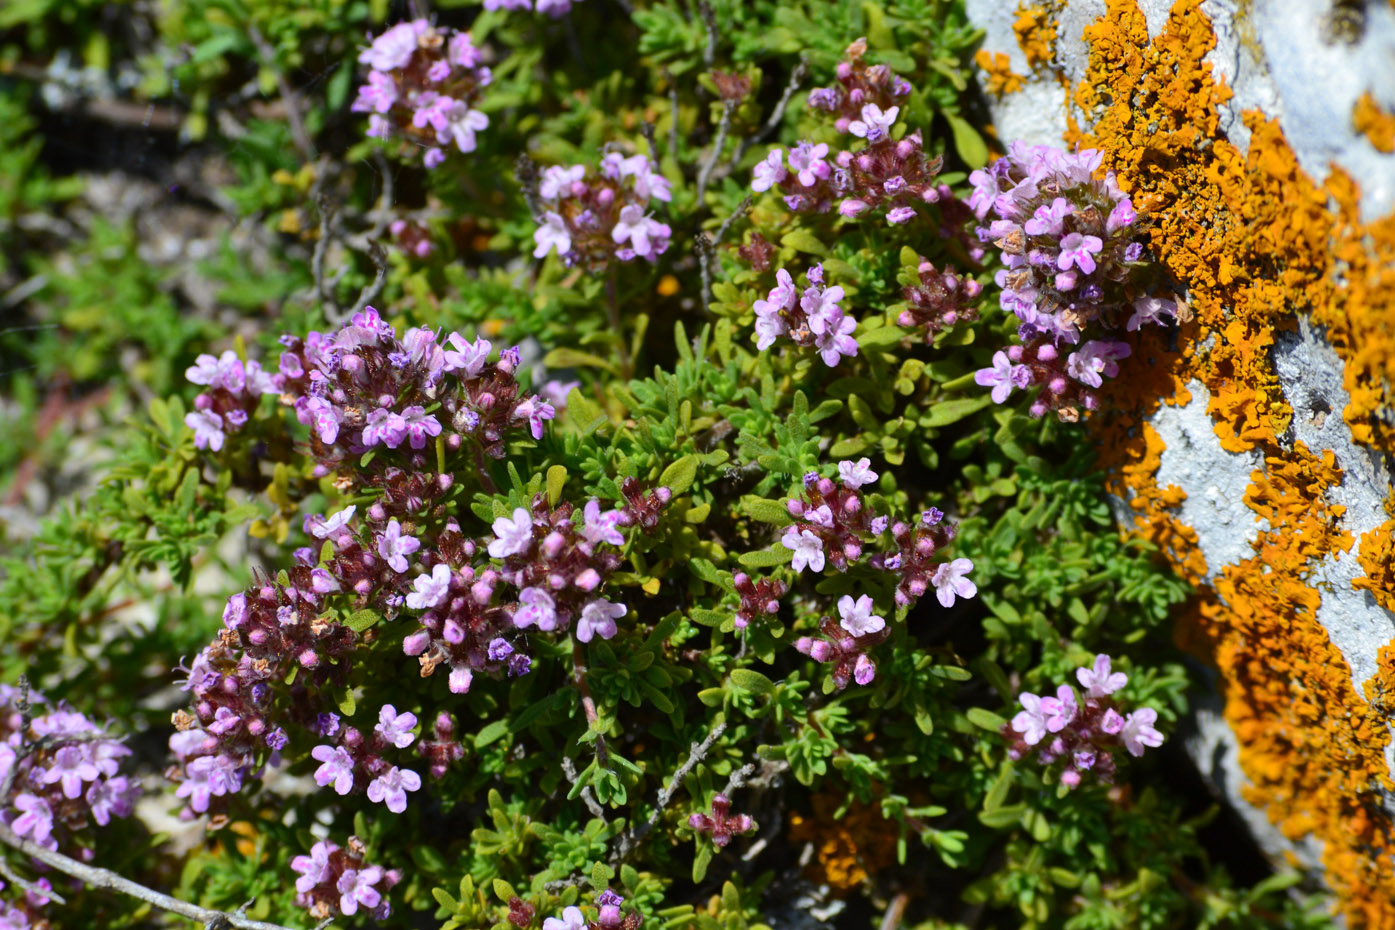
(1259, 458)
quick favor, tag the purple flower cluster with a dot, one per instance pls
(363, 388)
(554, 563)
(1068, 380)
(70, 780)
(720, 823)
(608, 917)
(1082, 731)
(554, 8)
(834, 527)
(845, 644)
(270, 666)
(758, 598)
(232, 389)
(812, 318)
(859, 85)
(1072, 248)
(29, 910)
(888, 174)
(940, 300)
(335, 881)
(357, 761)
(590, 220)
(423, 85)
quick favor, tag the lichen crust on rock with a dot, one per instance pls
(1253, 445)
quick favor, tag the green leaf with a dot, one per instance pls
(556, 478)
(882, 336)
(981, 717)
(678, 477)
(997, 792)
(583, 413)
(1002, 817)
(360, 620)
(345, 701)
(750, 680)
(766, 511)
(701, 861)
(564, 357)
(601, 874)
(491, 732)
(952, 411)
(766, 558)
(967, 142)
(801, 240)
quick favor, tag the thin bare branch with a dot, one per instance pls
(317, 259)
(739, 212)
(696, 753)
(110, 881)
(777, 115)
(371, 290)
(702, 244)
(723, 127)
(95, 876)
(289, 98)
(673, 117)
(709, 20)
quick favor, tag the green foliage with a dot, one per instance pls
(582, 774)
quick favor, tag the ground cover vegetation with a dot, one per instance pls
(573, 464)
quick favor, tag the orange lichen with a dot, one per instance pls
(847, 849)
(1359, 312)
(1036, 33)
(1312, 748)
(1374, 122)
(1256, 242)
(998, 69)
(1377, 558)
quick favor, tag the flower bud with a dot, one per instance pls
(416, 643)
(1046, 352)
(864, 670)
(588, 580)
(1014, 353)
(1057, 385)
(852, 207)
(795, 507)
